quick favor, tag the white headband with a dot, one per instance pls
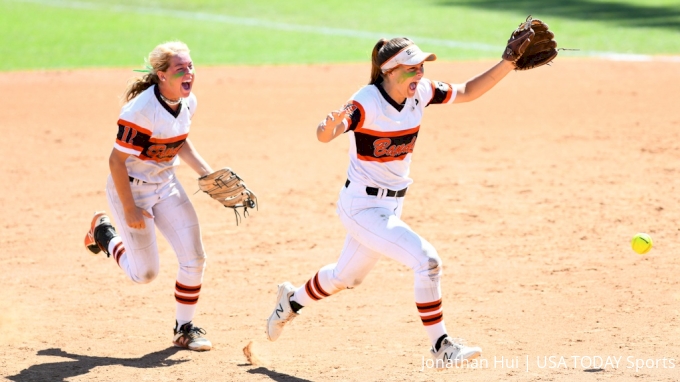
(411, 55)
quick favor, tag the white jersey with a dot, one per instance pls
(153, 134)
(384, 133)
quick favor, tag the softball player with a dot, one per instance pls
(143, 192)
(382, 120)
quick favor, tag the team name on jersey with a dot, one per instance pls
(385, 146)
(139, 139)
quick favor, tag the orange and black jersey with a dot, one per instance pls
(153, 134)
(140, 139)
(384, 133)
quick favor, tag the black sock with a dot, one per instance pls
(295, 306)
(439, 342)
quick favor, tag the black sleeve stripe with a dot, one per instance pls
(441, 92)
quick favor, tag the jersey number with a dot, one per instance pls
(128, 135)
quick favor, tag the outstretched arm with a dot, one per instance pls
(476, 86)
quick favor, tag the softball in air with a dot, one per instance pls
(641, 243)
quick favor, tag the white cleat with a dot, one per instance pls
(190, 337)
(452, 354)
(282, 313)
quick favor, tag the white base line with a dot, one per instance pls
(251, 22)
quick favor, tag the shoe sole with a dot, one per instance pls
(199, 348)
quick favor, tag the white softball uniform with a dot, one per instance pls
(153, 134)
(383, 135)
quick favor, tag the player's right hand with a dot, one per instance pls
(334, 118)
(135, 217)
(329, 128)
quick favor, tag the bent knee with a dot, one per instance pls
(434, 266)
(195, 265)
(431, 264)
(145, 277)
(347, 282)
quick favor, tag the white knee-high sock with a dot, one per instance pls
(188, 289)
(428, 297)
(186, 297)
(318, 287)
(117, 251)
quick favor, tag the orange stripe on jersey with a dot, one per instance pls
(441, 92)
(136, 138)
(381, 159)
(169, 140)
(425, 307)
(136, 127)
(387, 134)
(355, 116)
(448, 94)
(129, 146)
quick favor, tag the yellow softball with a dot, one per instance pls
(641, 243)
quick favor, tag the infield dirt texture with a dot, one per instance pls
(531, 196)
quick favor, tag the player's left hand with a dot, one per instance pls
(225, 186)
(538, 50)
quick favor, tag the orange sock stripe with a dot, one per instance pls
(318, 286)
(427, 307)
(310, 291)
(118, 251)
(433, 319)
(186, 300)
(187, 289)
(186, 295)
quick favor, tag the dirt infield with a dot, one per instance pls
(530, 194)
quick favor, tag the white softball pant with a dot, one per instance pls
(176, 219)
(374, 228)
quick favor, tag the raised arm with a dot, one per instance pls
(478, 85)
(517, 44)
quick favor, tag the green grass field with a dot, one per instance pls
(52, 34)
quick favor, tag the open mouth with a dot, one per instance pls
(413, 86)
(186, 85)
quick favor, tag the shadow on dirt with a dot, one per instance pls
(82, 364)
(276, 376)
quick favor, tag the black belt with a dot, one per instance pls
(374, 191)
(133, 179)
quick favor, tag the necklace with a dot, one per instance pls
(169, 101)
